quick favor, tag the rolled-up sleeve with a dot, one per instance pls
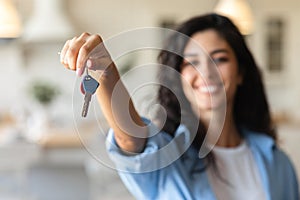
(161, 150)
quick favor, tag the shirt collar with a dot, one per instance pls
(260, 141)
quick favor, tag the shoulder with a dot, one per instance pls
(258, 138)
(266, 147)
(260, 142)
(275, 164)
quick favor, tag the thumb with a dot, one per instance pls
(99, 63)
(79, 71)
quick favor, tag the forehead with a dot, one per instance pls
(208, 41)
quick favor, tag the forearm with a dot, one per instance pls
(117, 106)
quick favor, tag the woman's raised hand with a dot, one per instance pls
(87, 50)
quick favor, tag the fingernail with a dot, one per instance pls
(78, 72)
(89, 63)
(65, 60)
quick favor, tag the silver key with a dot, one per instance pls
(87, 100)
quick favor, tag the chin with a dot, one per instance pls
(214, 103)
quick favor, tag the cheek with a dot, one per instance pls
(231, 79)
(186, 74)
(187, 79)
(190, 74)
(186, 84)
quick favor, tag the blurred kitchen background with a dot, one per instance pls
(46, 150)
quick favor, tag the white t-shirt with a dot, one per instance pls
(240, 175)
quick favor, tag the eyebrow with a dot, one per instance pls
(190, 55)
(219, 51)
(211, 53)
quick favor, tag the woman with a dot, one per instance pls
(245, 163)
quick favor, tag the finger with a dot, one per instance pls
(80, 70)
(63, 52)
(86, 49)
(72, 53)
(81, 88)
(66, 66)
(82, 40)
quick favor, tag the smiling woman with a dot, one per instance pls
(218, 80)
(200, 72)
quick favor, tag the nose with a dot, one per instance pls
(208, 69)
(203, 71)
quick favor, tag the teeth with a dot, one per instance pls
(210, 89)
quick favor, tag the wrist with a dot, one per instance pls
(109, 75)
(111, 71)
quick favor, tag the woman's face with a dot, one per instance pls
(209, 70)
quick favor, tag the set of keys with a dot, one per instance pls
(90, 86)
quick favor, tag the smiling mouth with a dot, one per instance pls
(210, 89)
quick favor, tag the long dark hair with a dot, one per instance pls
(250, 110)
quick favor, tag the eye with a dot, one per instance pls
(191, 63)
(220, 60)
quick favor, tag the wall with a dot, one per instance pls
(32, 61)
(283, 89)
(109, 18)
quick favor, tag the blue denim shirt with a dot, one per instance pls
(169, 168)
